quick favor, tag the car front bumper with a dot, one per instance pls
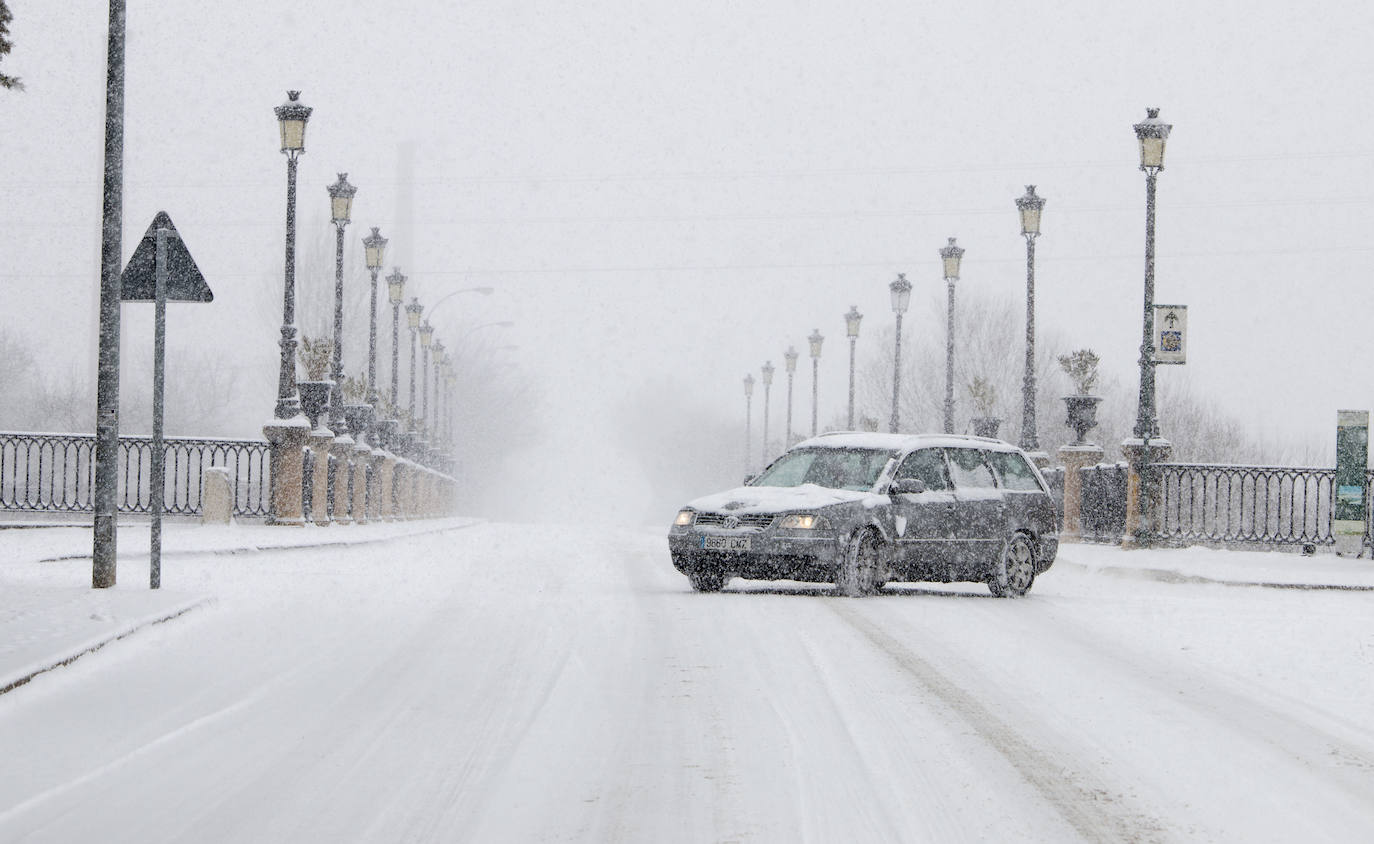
(772, 554)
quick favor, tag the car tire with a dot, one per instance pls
(857, 574)
(706, 581)
(1015, 570)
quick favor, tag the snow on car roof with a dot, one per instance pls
(899, 442)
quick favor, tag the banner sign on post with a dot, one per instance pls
(1171, 334)
(1352, 461)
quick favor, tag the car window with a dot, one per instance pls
(968, 470)
(836, 468)
(1013, 471)
(927, 464)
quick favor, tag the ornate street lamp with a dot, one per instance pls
(374, 248)
(426, 340)
(413, 312)
(950, 256)
(1030, 206)
(789, 358)
(767, 389)
(748, 417)
(395, 290)
(1152, 133)
(851, 325)
(341, 208)
(815, 340)
(291, 117)
(901, 298)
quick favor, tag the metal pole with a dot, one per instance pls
(1030, 441)
(288, 399)
(413, 342)
(896, 374)
(791, 376)
(815, 394)
(105, 526)
(1147, 425)
(158, 457)
(767, 389)
(424, 389)
(395, 353)
(949, 360)
(336, 396)
(748, 429)
(852, 342)
(373, 397)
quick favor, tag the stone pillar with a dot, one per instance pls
(342, 449)
(320, 440)
(1075, 457)
(362, 458)
(1138, 533)
(287, 439)
(386, 508)
(217, 496)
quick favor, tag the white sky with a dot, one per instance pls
(677, 192)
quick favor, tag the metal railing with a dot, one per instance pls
(55, 473)
(1246, 504)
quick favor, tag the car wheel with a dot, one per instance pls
(858, 572)
(1015, 571)
(706, 581)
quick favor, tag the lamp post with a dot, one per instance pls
(767, 388)
(1152, 133)
(374, 248)
(292, 116)
(413, 312)
(950, 256)
(851, 325)
(438, 403)
(395, 291)
(815, 340)
(340, 207)
(901, 298)
(789, 358)
(426, 340)
(1029, 206)
(748, 417)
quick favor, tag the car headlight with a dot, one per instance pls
(684, 518)
(804, 521)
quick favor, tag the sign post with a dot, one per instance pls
(1352, 461)
(160, 270)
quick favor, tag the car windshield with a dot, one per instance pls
(837, 468)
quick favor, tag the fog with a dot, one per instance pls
(665, 197)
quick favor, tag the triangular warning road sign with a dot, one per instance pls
(184, 282)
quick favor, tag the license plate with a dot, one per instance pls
(725, 543)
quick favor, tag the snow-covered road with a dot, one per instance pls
(535, 683)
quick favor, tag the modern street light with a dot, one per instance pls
(789, 358)
(395, 290)
(485, 291)
(950, 255)
(748, 417)
(374, 248)
(413, 312)
(851, 325)
(1030, 206)
(767, 388)
(815, 340)
(292, 116)
(426, 340)
(901, 298)
(341, 208)
(1152, 133)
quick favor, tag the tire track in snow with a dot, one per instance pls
(1073, 796)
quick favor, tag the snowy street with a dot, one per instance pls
(519, 683)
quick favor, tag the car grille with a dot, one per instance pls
(745, 521)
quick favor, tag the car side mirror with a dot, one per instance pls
(749, 479)
(907, 486)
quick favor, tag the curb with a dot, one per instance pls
(1171, 576)
(98, 643)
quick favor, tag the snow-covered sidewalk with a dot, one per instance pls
(1324, 570)
(50, 614)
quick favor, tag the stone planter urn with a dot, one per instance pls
(359, 418)
(986, 426)
(386, 434)
(314, 399)
(1082, 416)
